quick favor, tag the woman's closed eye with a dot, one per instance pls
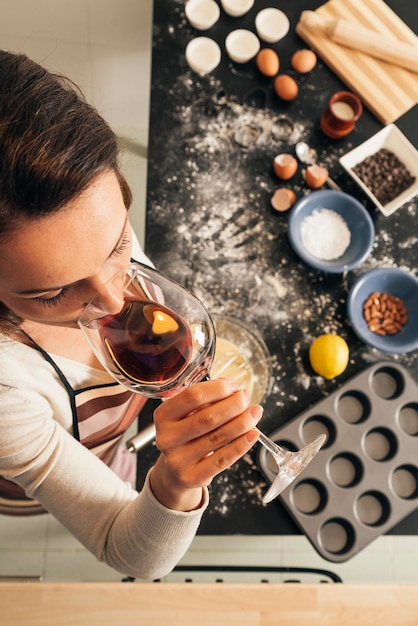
(54, 300)
(124, 244)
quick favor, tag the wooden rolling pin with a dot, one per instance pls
(364, 39)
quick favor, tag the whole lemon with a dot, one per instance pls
(329, 355)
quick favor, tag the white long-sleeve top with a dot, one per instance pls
(131, 532)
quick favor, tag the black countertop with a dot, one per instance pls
(210, 226)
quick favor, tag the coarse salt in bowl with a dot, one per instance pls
(343, 224)
(386, 280)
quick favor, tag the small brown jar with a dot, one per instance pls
(339, 118)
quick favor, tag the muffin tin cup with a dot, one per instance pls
(365, 478)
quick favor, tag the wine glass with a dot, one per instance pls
(162, 340)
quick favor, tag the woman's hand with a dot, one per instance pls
(200, 432)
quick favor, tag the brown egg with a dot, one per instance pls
(315, 176)
(285, 166)
(267, 62)
(285, 87)
(303, 61)
(283, 199)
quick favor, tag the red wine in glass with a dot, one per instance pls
(159, 349)
(147, 342)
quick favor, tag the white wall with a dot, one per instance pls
(105, 47)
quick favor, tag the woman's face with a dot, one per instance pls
(50, 268)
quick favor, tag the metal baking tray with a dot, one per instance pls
(365, 478)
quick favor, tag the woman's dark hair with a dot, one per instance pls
(53, 144)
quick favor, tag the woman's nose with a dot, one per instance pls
(106, 296)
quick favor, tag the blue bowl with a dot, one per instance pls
(356, 217)
(398, 283)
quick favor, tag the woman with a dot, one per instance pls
(64, 231)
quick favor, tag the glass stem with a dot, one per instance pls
(275, 450)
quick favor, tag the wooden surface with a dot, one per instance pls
(387, 90)
(113, 604)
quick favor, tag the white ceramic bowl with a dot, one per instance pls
(202, 14)
(236, 8)
(271, 25)
(242, 45)
(203, 55)
(394, 140)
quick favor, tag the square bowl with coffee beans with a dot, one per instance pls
(385, 166)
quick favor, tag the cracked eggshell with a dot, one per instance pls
(283, 199)
(285, 166)
(315, 176)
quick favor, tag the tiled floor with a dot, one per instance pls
(39, 547)
(105, 47)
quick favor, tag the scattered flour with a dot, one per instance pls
(215, 233)
(325, 234)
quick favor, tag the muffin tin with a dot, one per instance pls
(365, 478)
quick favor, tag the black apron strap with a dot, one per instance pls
(63, 379)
